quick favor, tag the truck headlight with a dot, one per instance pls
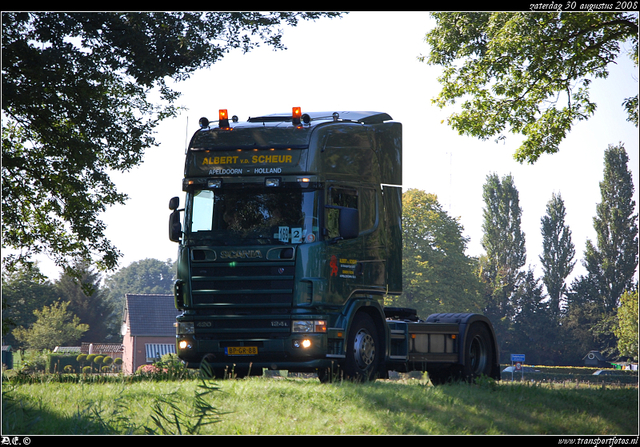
(309, 326)
(185, 327)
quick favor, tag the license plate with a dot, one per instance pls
(242, 350)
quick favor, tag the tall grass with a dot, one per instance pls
(290, 406)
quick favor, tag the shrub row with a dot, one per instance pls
(86, 363)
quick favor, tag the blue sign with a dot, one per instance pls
(517, 358)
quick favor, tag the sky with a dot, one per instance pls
(369, 61)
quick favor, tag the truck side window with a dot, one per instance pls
(202, 214)
(345, 197)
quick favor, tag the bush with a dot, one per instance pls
(148, 369)
(57, 363)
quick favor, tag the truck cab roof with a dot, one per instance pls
(353, 116)
(307, 119)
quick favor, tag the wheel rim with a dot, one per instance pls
(478, 355)
(364, 349)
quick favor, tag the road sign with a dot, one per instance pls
(517, 358)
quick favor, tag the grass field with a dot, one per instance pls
(296, 406)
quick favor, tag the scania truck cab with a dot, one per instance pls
(289, 239)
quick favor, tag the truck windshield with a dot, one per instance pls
(253, 215)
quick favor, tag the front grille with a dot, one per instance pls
(242, 299)
(242, 284)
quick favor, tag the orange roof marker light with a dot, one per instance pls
(223, 119)
(296, 114)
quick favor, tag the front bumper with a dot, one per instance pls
(298, 352)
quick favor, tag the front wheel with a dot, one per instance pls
(363, 349)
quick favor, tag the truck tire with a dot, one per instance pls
(479, 354)
(363, 349)
(479, 358)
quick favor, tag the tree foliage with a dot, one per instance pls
(24, 290)
(76, 105)
(526, 73)
(558, 252)
(150, 276)
(54, 326)
(89, 301)
(504, 243)
(535, 330)
(613, 260)
(437, 275)
(503, 239)
(627, 330)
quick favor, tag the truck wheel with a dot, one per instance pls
(479, 355)
(363, 344)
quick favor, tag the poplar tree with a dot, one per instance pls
(503, 241)
(612, 261)
(558, 253)
(504, 244)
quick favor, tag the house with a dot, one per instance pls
(595, 359)
(148, 330)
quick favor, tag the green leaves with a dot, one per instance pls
(437, 275)
(525, 73)
(76, 105)
(55, 326)
(612, 262)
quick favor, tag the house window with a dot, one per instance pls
(155, 351)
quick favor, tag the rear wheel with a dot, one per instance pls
(479, 355)
(363, 349)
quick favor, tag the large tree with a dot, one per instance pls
(527, 73)
(503, 238)
(612, 261)
(504, 244)
(558, 253)
(437, 276)
(87, 299)
(24, 291)
(76, 105)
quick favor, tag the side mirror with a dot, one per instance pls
(349, 223)
(175, 227)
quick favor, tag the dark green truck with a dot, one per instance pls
(290, 238)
